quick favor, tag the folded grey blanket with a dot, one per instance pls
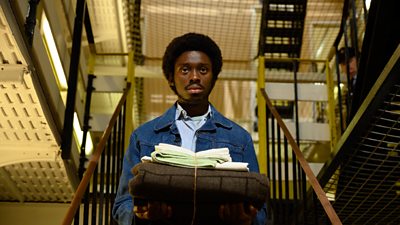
(176, 185)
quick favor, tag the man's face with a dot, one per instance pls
(193, 78)
(352, 67)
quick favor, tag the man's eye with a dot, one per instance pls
(203, 70)
(185, 69)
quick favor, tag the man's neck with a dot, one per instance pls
(195, 109)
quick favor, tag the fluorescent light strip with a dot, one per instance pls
(79, 135)
(55, 57)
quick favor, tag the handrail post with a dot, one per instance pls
(262, 117)
(129, 100)
(331, 105)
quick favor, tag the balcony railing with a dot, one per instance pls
(97, 189)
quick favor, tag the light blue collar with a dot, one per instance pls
(182, 114)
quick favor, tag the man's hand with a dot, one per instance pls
(237, 214)
(153, 211)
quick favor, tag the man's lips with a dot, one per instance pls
(194, 88)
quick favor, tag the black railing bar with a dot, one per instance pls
(287, 197)
(345, 14)
(89, 31)
(263, 26)
(296, 101)
(30, 21)
(108, 169)
(83, 159)
(120, 145)
(86, 207)
(274, 184)
(354, 34)
(113, 168)
(86, 126)
(94, 195)
(304, 192)
(279, 164)
(365, 13)
(268, 155)
(295, 186)
(66, 135)
(77, 216)
(101, 196)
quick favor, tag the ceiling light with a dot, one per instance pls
(79, 135)
(367, 4)
(53, 52)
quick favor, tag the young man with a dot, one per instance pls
(191, 64)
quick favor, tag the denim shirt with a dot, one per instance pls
(217, 132)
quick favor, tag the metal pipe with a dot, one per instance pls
(30, 20)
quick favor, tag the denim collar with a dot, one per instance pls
(168, 119)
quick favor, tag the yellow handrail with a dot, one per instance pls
(331, 106)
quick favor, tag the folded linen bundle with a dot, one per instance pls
(218, 158)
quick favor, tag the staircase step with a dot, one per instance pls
(284, 32)
(285, 15)
(287, 2)
(279, 65)
(282, 48)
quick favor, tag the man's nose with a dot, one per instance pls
(194, 75)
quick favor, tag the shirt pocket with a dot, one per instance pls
(145, 149)
(236, 151)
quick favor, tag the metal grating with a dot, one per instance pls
(365, 172)
(31, 168)
(367, 191)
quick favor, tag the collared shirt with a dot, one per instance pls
(188, 126)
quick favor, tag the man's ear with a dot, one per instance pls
(171, 81)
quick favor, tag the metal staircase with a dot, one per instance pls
(366, 167)
(284, 22)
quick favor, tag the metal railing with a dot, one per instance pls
(289, 174)
(98, 187)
